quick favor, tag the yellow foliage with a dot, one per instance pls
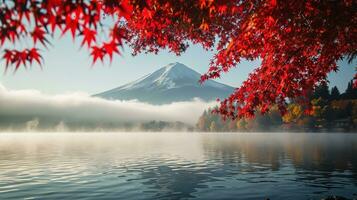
(294, 113)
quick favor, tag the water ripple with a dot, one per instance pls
(178, 166)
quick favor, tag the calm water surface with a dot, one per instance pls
(177, 166)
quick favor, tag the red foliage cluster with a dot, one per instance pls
(21, 57)
(23, 19)
(298, 42)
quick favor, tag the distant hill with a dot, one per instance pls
(172, 83)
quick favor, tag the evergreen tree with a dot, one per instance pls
(335, 93)
(350, 93)
(349, 90)
(322, 91)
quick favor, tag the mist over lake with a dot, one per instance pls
(177, 165)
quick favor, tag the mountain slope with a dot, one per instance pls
(174, 82)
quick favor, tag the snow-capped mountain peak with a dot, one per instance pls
(175, 75)
(174, 78)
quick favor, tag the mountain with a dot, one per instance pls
(174, 82)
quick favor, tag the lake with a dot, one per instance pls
(177, 165)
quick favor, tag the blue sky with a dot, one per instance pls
(67, 68)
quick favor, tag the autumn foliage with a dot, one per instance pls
(298, 42)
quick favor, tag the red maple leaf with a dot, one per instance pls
(38, 34)
(89, 36)
(126, 9)
(34, 55)
(71, 24)
(111, 48)
(8, 57)
(97, 52)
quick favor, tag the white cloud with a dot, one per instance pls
(80, 106)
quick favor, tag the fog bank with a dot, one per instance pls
(34, 107)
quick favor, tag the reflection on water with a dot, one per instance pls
(177, 166)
